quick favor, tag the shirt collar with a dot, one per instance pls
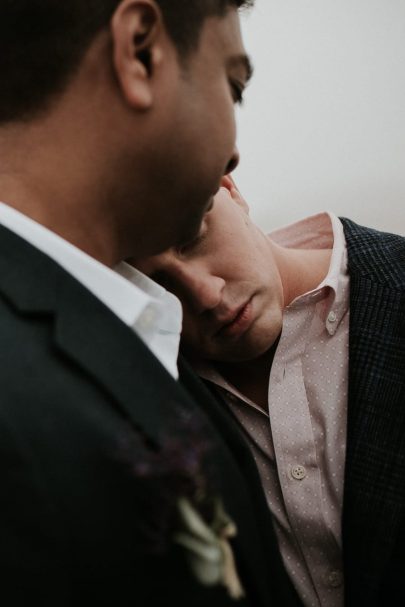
(322, 231)
(166, 305)
(154, 313)
(125, 299)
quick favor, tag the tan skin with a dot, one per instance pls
(234, 283)
(97, 166)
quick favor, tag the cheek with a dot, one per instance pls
(222, 120)
(227, 125)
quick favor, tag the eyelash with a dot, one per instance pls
(192, 244)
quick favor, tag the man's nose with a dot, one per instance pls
(233, 161)
(202, 290)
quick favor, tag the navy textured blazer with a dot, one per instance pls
(374, 495)
(78, 391)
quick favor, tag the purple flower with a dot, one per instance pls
(175, 468)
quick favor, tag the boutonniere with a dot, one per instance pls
(209, 551)
(176, 485)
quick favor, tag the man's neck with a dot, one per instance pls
(251, 378)
(301, 270)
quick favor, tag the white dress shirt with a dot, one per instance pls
(151, 311)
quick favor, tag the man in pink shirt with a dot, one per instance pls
(299, 333)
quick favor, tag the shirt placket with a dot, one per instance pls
(295, 452)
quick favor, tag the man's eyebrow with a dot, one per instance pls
(244, 61)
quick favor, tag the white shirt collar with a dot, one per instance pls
(153, 313)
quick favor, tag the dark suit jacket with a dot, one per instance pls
(374, 496)
(76, 385)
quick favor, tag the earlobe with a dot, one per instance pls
(135, 29)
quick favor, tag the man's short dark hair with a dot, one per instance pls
(43, 41)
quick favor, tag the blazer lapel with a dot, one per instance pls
(88, 333)
(374, 481)
(116, 359)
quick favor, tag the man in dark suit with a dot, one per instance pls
(301, 333)
(120, 484)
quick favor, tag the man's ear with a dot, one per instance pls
(136, 28)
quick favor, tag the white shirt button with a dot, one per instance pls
(332, 317)
(335, 579)
(298, 472)
(147, 319)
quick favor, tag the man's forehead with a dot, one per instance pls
(236, 56)
(224, 32)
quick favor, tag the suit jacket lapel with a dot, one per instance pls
(88, 333)
(374, 499)
(117, 359)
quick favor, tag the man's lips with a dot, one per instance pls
(236, 322)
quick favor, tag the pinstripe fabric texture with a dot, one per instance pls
(374, 501)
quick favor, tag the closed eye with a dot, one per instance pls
(192, 244)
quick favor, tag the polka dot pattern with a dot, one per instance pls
(299, 445)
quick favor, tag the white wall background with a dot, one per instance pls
(323, 123)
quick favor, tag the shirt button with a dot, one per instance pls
(298, 472)
(147, 319)
(332, 316)
(335, 579)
